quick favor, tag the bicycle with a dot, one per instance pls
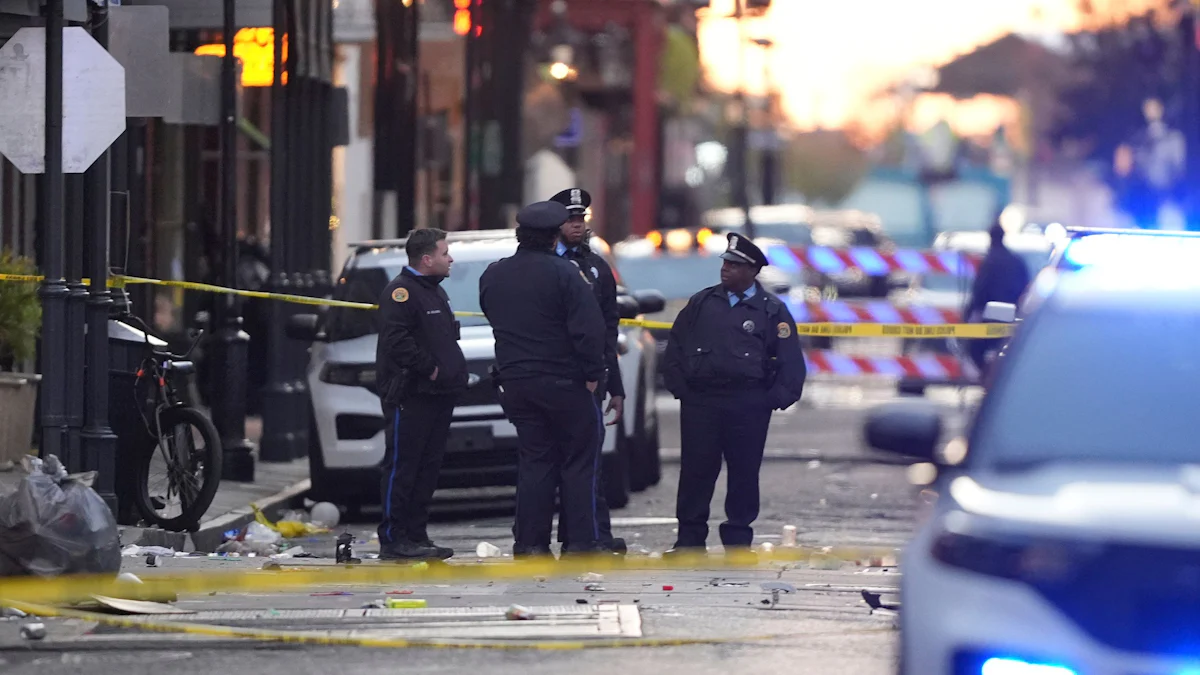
(192, 473)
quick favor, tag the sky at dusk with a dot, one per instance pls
(832, 56)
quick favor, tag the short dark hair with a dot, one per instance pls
(539, 240)
(422, 242)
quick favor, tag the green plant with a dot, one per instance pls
(20, 310)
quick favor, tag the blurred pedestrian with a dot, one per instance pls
(420, 372)
(572, 245)
(549, 363)
(1002, 277)
(732, 358)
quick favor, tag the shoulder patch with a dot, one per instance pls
(400, 295)
(783, 330)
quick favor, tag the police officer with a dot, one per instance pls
(420, 371)
(550, 360)
(572, 245)
(732, 358)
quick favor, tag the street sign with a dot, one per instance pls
(93, 100)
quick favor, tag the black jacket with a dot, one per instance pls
(544, 317)
(1002, 277)
(749, 350)
(604, 286)
(417, 333)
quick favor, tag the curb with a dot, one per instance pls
(887, 460)
(211, 533)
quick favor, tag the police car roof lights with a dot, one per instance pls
(1131, 249)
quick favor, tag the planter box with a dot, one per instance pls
(18, 396)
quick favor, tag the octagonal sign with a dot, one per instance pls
(93, 100)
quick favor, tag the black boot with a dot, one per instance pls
(407, 550)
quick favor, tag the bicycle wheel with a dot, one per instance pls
(177, 481)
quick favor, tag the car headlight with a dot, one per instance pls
(1035, 560)
(349, 374)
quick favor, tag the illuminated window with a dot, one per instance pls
(255, 48)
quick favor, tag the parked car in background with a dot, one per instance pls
(346, 437)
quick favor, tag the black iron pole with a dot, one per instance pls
(231, 356)
(468, 142)
(406, 119)
(99, 441)
(54, 290)
(280, 435)
(76, 311)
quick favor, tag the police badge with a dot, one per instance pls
(748, 326)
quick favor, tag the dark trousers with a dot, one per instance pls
(415, 436)
(733, 427)
(557, 428)
(602, 512)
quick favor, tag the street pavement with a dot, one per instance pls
(817, 477)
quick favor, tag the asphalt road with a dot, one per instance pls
(817, 477)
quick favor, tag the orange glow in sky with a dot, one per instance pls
(832, 57)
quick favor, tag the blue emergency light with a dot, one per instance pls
(1133, 250)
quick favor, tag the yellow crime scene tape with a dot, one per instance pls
(78, 588)
(899, 330)
(265, 635)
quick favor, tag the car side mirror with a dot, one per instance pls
(650, 301)
(302, 327)
(1000, 312)
(628, 307)
(909, 428)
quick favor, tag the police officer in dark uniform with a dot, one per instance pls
(549, 362)
(420, 372)
(732, 358)
(1002, 277)
(572, 245)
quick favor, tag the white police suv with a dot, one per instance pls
(347, 439)
(1065, 535)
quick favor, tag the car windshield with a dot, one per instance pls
(1096, 385)
(793, 234)
(366, 284)
(675, 276)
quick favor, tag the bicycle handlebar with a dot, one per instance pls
(146, 332)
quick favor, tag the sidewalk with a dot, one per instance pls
(275, 485)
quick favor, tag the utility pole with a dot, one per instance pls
(99, 441)
(231, 344)
(739, 147)
(770, 150)
(54, 290)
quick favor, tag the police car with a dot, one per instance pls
(346, 438)
(1063, 538)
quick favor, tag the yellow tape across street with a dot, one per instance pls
(78, 588)
(899, 330)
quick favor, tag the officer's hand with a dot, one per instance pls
(433, 375)
(617, 404)
(592, 386)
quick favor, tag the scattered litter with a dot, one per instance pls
(591, 577)
(814, 463)
(294, 515)
(343, 552)
(775, 588)
(405, 603)
(134, 551)
(399, 593)
(11, 613)
(668, 588)
(375, 604)
(518, 613)
(33, 630)
(53, 524)
(767, 547)
(872, 600)
(721, 583)
(874, 495)
(581, 601)
(789, 536)
(330, 593)
(128, 577)
(487, 550)
(325, 514)
(295, 551)
(540, 579)
(287, 529)
(593, 587)
(153, 561)
(127, 606)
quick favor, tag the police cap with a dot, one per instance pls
(577, 200)
(542, 216)
(742, 250)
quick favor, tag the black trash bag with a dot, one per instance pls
(55, 524)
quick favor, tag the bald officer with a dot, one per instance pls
(550, 360)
